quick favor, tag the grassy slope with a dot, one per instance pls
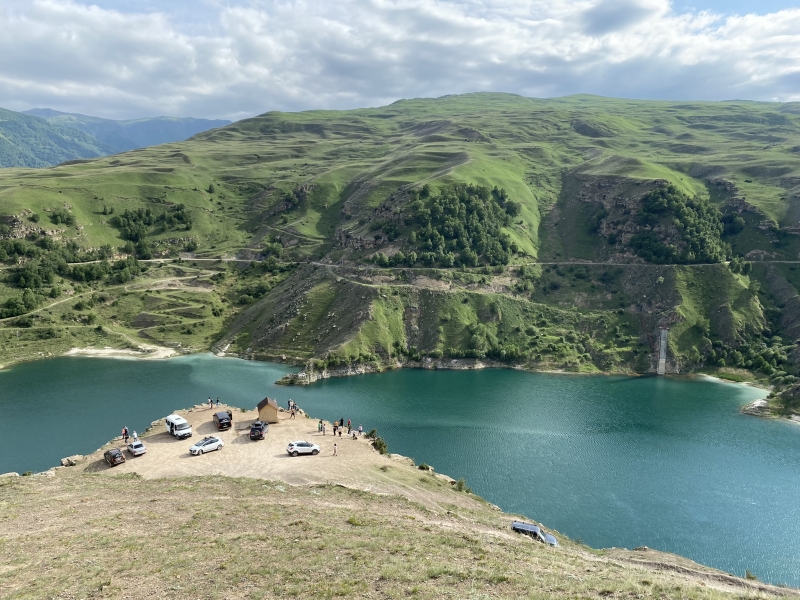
(80, 535)
(551, 155)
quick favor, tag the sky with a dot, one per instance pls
(237, 58)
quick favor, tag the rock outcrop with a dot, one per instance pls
(71, 461)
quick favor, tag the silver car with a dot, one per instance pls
(207, 444)
(137, 448)
(302, 447)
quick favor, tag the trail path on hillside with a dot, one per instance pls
(142, 285)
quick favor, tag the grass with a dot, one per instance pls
(255, 539)
(316, 182)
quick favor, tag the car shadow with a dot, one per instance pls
(244, 438)
(98, 466)
(206, 428)
(160, 438)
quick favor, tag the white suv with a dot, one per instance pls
(178, 426)
(302, 447)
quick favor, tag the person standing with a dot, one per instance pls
(335, 428)
(292, 414)
(210, 403)
(125, 434)
(319, 426)
(217, 401)
(341, 422)
(360, 430)
(335, 449)
(135, 436)
(323, 429)
(340, 432)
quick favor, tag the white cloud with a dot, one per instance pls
(231, 60)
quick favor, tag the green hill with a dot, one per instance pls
(557, 234)
(133, 133)
(222, 537)
(27, 141)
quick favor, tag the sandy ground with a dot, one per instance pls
(145, 352)
(357, 465)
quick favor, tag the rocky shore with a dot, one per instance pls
(310, 375)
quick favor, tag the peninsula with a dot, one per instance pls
(250, 521)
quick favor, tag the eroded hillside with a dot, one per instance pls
(486, 227)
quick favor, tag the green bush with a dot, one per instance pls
(61, 216)
(380, 445)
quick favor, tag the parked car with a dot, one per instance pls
(302, 447)
(114, 457)
(137, 448)
(258, 430)
(207, 444)
(178, 426)
(223, 419)
(535, 532)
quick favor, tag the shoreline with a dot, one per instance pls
(151, 353)
(362, 460)
(757, 408)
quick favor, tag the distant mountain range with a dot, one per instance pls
(43, 137)
(131, 134)
(27, 141)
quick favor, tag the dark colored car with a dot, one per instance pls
(223, 419)
(258, 430)
(114, 457)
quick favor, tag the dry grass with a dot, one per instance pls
(82, 535)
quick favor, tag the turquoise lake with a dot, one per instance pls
(668, 463)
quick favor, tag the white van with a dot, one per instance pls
(178, 426)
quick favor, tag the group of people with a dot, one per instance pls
(211, 402)
(126, 435)
(338, 427)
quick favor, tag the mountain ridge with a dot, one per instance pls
(29, 141)
(130, 134)
(425, 230)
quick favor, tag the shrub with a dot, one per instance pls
(380, 445)
(61, 216)
(461, 486)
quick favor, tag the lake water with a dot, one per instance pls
(614, 461)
